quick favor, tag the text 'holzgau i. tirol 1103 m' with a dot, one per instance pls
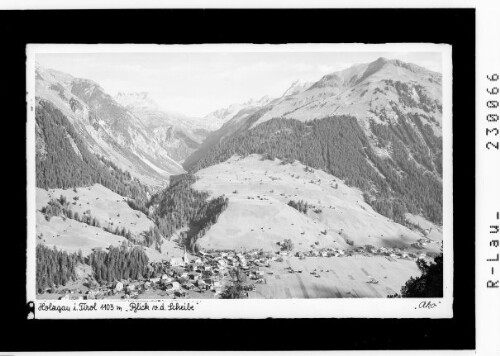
(239, 175)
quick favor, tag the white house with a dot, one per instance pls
(166, 281)
(118, 286)
(176, 262)
(221, 263)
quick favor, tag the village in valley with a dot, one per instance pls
(208, 273)
(330, 189)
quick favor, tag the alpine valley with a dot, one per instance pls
(341, 179)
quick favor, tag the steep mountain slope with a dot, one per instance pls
(378, 91)
(178, 134)
(107, 128)
(376, 125)
(240, 122)
(233, 119)
(63, 159)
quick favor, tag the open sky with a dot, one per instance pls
(197, 83)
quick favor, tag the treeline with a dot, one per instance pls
(133, 188)
(120, 232)
(65, 161)
(300, 205)
(139, 205)
(119, 263)
(153, 236)
(54, 268)
(61, 207)
(394, 208)
(180, 205)
(339, 146)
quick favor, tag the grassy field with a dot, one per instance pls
(344, 277)
(261, 224)
(109, 208)
(258, 214)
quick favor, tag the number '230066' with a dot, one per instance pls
(492, 104)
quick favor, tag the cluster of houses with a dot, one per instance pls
(322, 252)
(420, 244)
(207, 272)
(367, 250)
(393, 252)
(210, 271)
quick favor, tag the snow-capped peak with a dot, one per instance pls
(297, 87)
(52, 75)
(136, 100)
(256, 102)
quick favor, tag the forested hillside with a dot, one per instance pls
(54, 267)
(63, 160)
(180, 205)
(108, 128)
(119, 263)
(393, 186)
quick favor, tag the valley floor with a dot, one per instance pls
(344, 277)
(339, 277)
(258, 217)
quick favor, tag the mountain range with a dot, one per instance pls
(107, 128)
(131, 129)
(377, 125)
(369, 135)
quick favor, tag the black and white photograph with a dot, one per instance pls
(250, 176)
(241, 172)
